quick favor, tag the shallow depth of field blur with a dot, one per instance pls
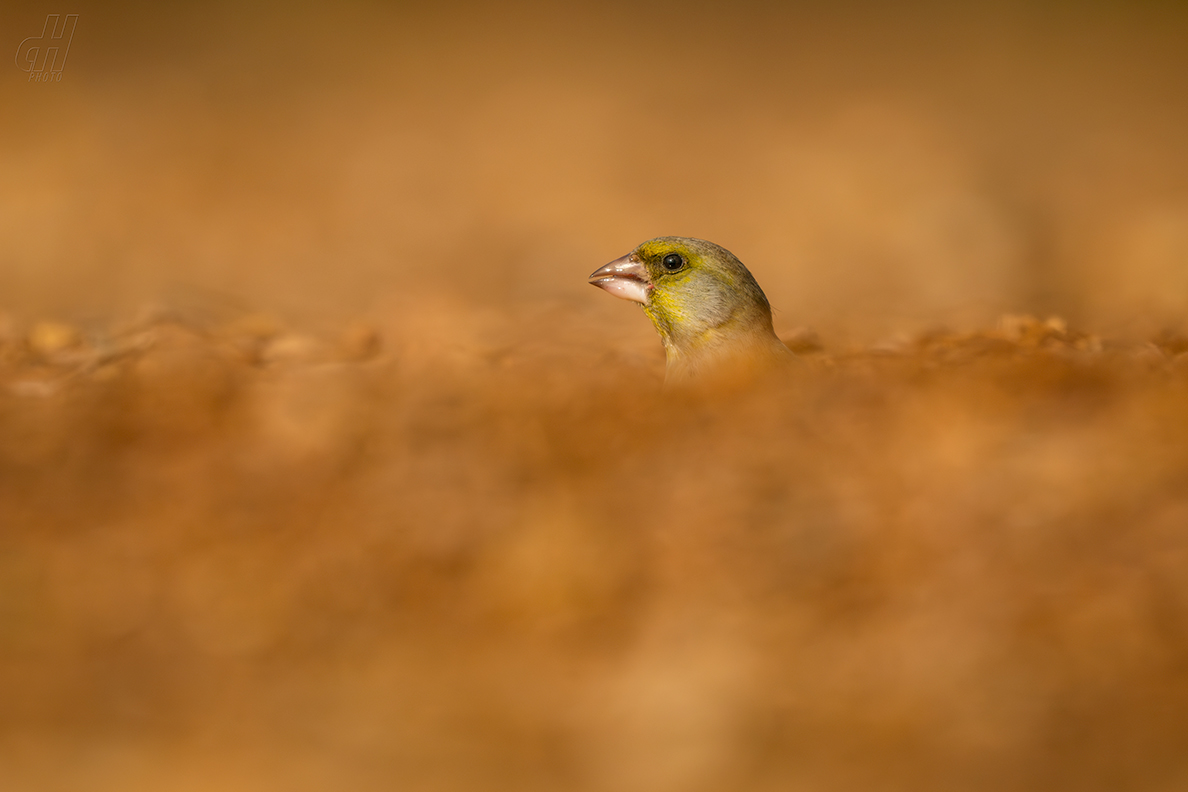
(323, 468)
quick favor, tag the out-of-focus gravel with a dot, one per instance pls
(242, 556)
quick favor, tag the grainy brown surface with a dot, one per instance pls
(321, 467)
(959, 564)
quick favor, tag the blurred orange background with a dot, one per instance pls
(879, 168)
(322, 467)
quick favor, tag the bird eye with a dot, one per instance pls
(673, 262)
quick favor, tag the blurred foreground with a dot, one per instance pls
(238, 557)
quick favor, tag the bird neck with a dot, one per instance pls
(731, 350)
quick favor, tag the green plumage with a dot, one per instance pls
(711, 315)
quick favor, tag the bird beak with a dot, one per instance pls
(625, 278)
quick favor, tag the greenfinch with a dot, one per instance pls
(712, 317)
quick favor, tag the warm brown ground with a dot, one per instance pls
(237, 559)
(321, 468)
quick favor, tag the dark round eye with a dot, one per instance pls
(673, 262)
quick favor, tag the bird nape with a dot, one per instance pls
(712, 317)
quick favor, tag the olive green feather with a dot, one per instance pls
(707, 307)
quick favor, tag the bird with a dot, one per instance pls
(713, 319)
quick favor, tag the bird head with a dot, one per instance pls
(703, 302)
